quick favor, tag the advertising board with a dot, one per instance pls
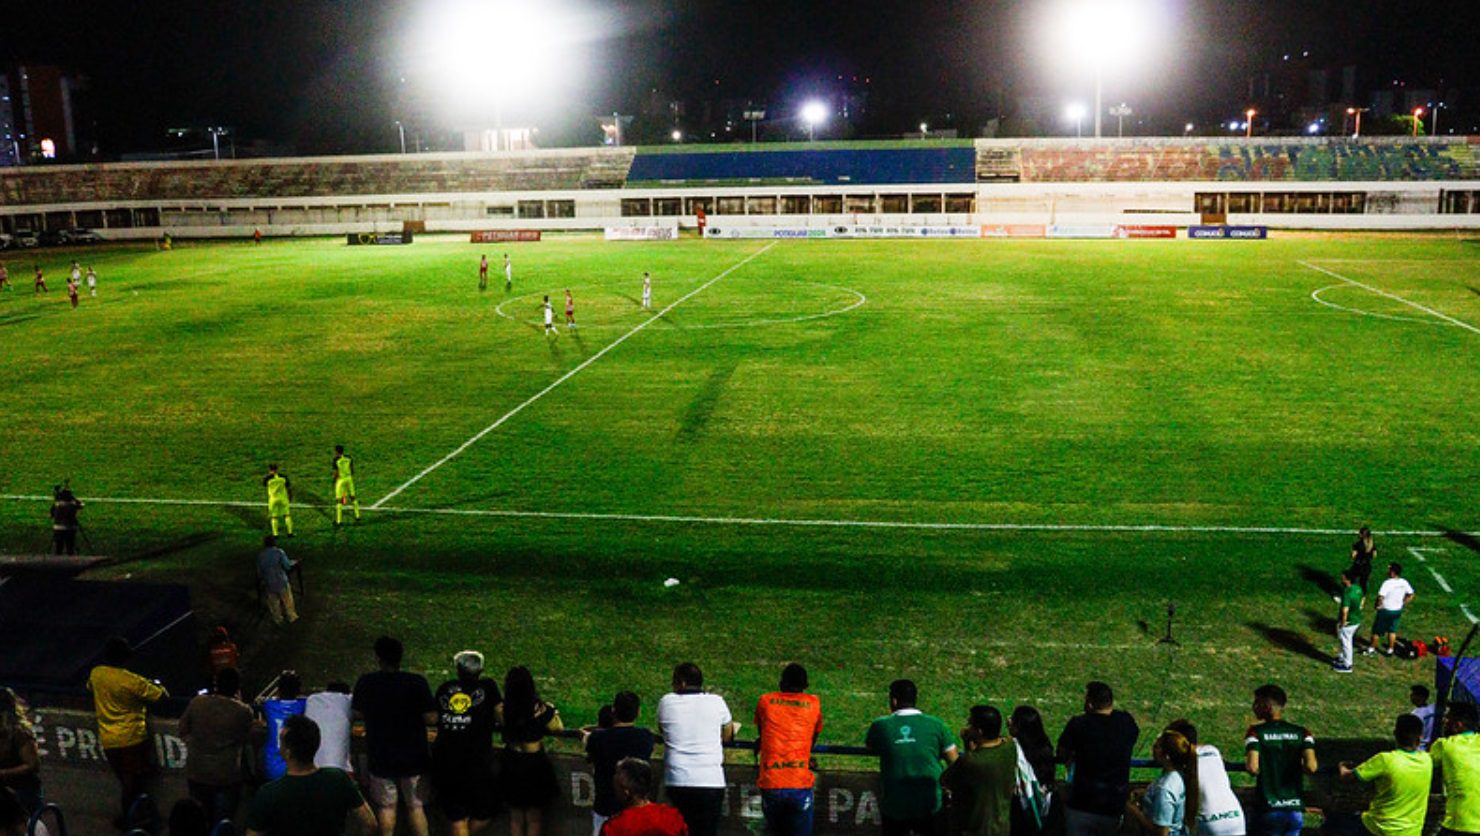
(499, 236)
(641, 233)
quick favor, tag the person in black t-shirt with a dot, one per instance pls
(1364, 551)
(469, 709)
(64, 523)
(1097, 746)
(606, 747)
(396, 708)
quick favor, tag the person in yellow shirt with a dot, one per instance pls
(1402, 778)
(1457, 757)
(344, 485)
(279, 499)
(120, 700)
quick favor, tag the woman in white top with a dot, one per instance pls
(1218, 810)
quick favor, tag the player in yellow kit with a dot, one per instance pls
(279, 497)
(344, 485)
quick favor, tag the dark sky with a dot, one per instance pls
(322, 75)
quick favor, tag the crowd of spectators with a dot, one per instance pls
(996, 776)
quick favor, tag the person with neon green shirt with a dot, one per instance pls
(1402, 777)
(1457, 757)
(279, 499)
(344, 485)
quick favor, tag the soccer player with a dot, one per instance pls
(257, 235)
(483, 272)
(40, 281)
(279, 499)
(92, 281)
(508, 273)
(647, 292)
(4, 277)
(72, 292)
(570, 310)
(76, 274)
(550, 318)
(344, 485)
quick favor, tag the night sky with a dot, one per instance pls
(320, 76)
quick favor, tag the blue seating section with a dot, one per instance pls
(840, 167)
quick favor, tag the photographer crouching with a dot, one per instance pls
(64, 525)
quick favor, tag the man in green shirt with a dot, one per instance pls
(1458, 758)
(1279, 755)
(307, 801)
(910, 746)
(1402, 777)
(1348, 619)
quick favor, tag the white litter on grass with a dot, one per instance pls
(671, 582)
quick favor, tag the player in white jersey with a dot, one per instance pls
(76, 276)
(550, 318)
(509, 273)
(92, 281)
(647, 292)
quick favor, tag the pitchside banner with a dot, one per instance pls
(642, 233)
(1015, 231)
(904, 232)
(763, 232)
(499, 236)
(1227, 233)
(357, 238)
(1145, 232)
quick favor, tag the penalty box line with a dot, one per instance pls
(567, 376)
(1393, 296)
(778, 522)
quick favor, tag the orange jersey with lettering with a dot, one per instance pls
(788, 725)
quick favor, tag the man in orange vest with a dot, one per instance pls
(788, 722)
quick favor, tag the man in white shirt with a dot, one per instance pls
(1218, 810)
(1423, 710)
(647, 292)
(330, 708)
(1392, 597)
(695, 726)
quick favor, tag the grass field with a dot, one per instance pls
(829, 443)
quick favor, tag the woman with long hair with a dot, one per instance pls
(528, 777)
(20, 763)
(1035, 771)
(1169, 806)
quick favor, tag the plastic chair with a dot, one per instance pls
(53, 810)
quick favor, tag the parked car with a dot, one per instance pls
(6, 241)
(25, 239)
(84, 236)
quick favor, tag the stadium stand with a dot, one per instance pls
(1267, 160)
(831, 166)
(328, 177)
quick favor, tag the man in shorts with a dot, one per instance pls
(4, 277)
(508, 273)
(550, 319)
(1392, 597)
(647, 292)
(344, 485)
(40, 281)
(570, 310)
(72, 292)
(483, 272)
(92, 282)
(468, 709)
(279, 499)
(396, 708)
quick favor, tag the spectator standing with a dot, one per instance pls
(330, 710)
(1394, 594)
(1279, 754)
(982, 780)
(1348, 619)
(1168, 807)
(396, 708)
(529, 781)
(273, 567)
(910, 745)
(64, 525)
(788, 721)
(1424, 711)
(120, 700)
(1457, 757)
(610, 745)
(221, 651)
(695, 726)
(1402, 777)
(1035, 782)
(1097, 747)
(640, 815)
(287, 701)
(307, 800)
(1364, 551)
(1218, 810)
(20, 762)
(216, 728)
(469, 708)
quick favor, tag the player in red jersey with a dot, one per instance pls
(4, 277)
(483, 272)
(72, 291)
(570, 310)
(40, 280)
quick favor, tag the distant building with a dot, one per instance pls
(38, 115)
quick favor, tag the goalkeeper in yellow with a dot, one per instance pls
(279, 496)
(344, 485)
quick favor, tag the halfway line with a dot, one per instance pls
(567, 376)
(1393, 296)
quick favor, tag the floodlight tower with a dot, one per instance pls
(814, 113)
(1075, 112)
(1102, 34)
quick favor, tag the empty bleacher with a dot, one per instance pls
(883, 166)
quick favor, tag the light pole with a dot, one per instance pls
(1435, 129)
(1417, 115)
(814, 113)
(1121, 111)
(401, 129)
(1188, 128)
(1249, 123)
(1357, 112)
(1075, 112)
(754, 117)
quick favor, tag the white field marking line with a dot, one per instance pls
(744, 323)
(774, 521)
(1316, 295)
(1471, 616)
(568, 375)
(1418, 553)
(1393, 296)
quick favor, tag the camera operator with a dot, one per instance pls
(64, 524)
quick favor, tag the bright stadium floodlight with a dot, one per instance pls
(1102, 36)
(677, 135)
(1075, 113)
(814, 113)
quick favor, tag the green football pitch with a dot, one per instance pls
(987, 466)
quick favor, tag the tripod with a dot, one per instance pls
(1171, 614)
